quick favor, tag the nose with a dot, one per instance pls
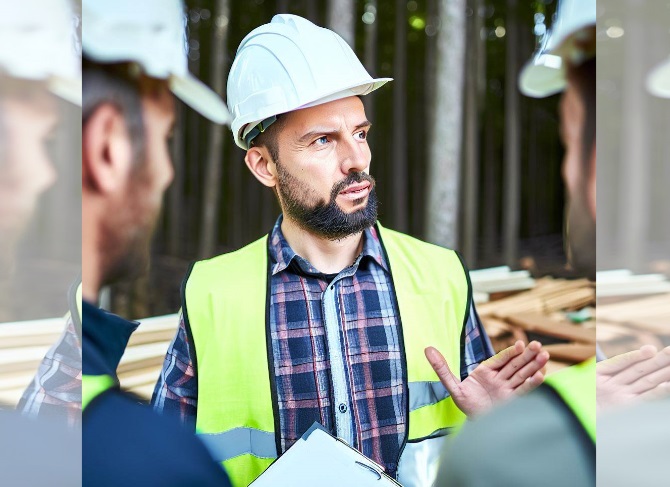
(355, 156)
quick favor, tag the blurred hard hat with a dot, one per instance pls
(544, 74)
(658, 80)
(37, 42)
(288, 64)
(150, 33)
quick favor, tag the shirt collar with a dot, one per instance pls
(105, 337)
(282, 254)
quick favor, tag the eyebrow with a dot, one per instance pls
(329, 131)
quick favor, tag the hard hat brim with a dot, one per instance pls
(658, 80)
(69, 89)
(199, 97)
(542, 77)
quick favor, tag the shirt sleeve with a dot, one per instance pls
(476, 346)
(55, 390)
(176, 392)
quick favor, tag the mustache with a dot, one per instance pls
(352, 178)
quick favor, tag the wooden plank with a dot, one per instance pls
(543, 325)
(571, 352)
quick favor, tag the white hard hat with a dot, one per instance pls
(658, 81)
(150, 33)
(288, 64)
(544, 74)
(37, 42)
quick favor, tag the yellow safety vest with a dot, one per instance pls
(225, 306)
(576, 386)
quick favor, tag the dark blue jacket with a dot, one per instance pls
(125, 442)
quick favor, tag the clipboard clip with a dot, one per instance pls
(370, 468)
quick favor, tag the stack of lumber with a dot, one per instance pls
(633, 310)
(543, 313)
(492, 282)
(22, 347)
(622, 282)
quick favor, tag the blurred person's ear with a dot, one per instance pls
(261, 165)
(107, 152)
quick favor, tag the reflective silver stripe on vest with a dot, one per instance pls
(240, 441)
(419, 463)
(426, 393)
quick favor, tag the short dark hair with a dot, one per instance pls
(268, 138)
(115, 84)
(583, 78)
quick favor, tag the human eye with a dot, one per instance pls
(323, 140)
(361, 134)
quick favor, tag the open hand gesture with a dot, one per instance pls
(515, 370)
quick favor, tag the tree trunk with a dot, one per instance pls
(213, 183)
(512, 158)
(446, 127)
(399, 158)
(475, 50)
(341, 19)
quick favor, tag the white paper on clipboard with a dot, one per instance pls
(319, 459)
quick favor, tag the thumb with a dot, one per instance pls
(441, 368)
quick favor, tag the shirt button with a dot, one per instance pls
(343, 408)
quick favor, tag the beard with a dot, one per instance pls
(127, 235)
(581, 236)
(325, 218)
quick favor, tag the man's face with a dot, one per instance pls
(581, 224)
(27, 122)
(129, 230)
(322, 172)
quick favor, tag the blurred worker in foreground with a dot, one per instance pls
(134, 62)
(326, 319)
(549, 434)
(634, 441)
(37, 67)
(554, 426)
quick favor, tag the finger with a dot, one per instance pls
(657, 392)
(621, 362)
(660, 374)
(529, 370)
(643, 371)
(499, 360)
(441, 368)
(530, 383)
(518, 362)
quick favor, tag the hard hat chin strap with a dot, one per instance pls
(258, 129)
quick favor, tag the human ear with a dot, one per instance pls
(261, 166)
(107, 154)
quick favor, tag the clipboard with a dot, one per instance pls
(320, 459)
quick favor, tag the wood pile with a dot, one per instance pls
(556, 312)
(22, 348)
(633, 310)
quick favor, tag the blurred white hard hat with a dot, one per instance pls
(544, 74)
(288, 64)
(658, 80)
(37, 42)
(150, 33)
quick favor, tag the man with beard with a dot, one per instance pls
(134, 62)
(327, 318)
